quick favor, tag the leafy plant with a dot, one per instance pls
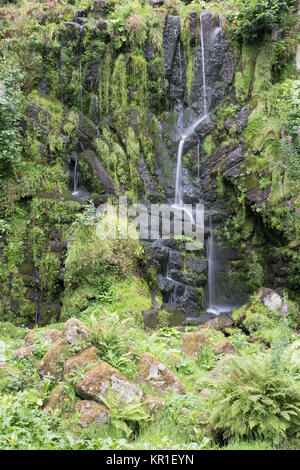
(255, 401)
(253, 18)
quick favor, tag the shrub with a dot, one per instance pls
(10, 115)
(256, 17)
(255, 401)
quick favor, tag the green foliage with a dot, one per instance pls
(253, 18)
(10, 115)
(255, 401)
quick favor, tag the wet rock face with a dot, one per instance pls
(171, 36)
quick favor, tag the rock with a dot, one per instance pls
(23, 352)
(153, 404)
(97, 166)
(260, 339)
(276, 33)
(92, 413)
(151, 370)
(74, 330)
(193, 17)
(86, 126)
(235, 157)
(148, 51)
(86, 357)
(150, 318)
(298, 58)
(94, 111)
(185, 412)
(49, 336)
(192, 343)
(219, 323)
(100, 378)
(155, 3)
(54, 399)
(270, 299)
(53, 358)
(171, 35)
(224, 347)
(207, 394)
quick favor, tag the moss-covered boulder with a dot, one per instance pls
(193, 342)
(102, 377)
(74, 330)
(220, 323)
(224, 347)
(92, 413)
(88, 357)
(49, 336)
(53, 360)
(153, 404)
(54, 399)
(24, 352)
(150, 370)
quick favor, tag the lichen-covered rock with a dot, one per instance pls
(25, 352)
(74, 330)
(151, 370)
(50, 336)
(270, 299)
(83, 358)
(224, 347)
(219, 323)
(54, 399)
(100, 378)
(53, 359)
(92, 413)
(193, 342)
(153, 404)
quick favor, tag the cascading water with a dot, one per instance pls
(211, 270)
(75, 177)
(203, 66)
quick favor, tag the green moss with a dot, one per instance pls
(245, 72)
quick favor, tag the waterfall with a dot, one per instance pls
(203, 66)
(211, 270)
(75, 177)
(80, 83)
(198, 158)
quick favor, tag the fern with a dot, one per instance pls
(254, 401)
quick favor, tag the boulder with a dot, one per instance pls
(153, 404)
(270, 299)
(152, 371)
(224, 347)
(193, 342)
(97, 166)
(25, 352)
(74, 330)
(220, 323)
(53, 359)
(83, 358)
(100, 378)
(92, 413)
(49, 336)
(54, 399)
